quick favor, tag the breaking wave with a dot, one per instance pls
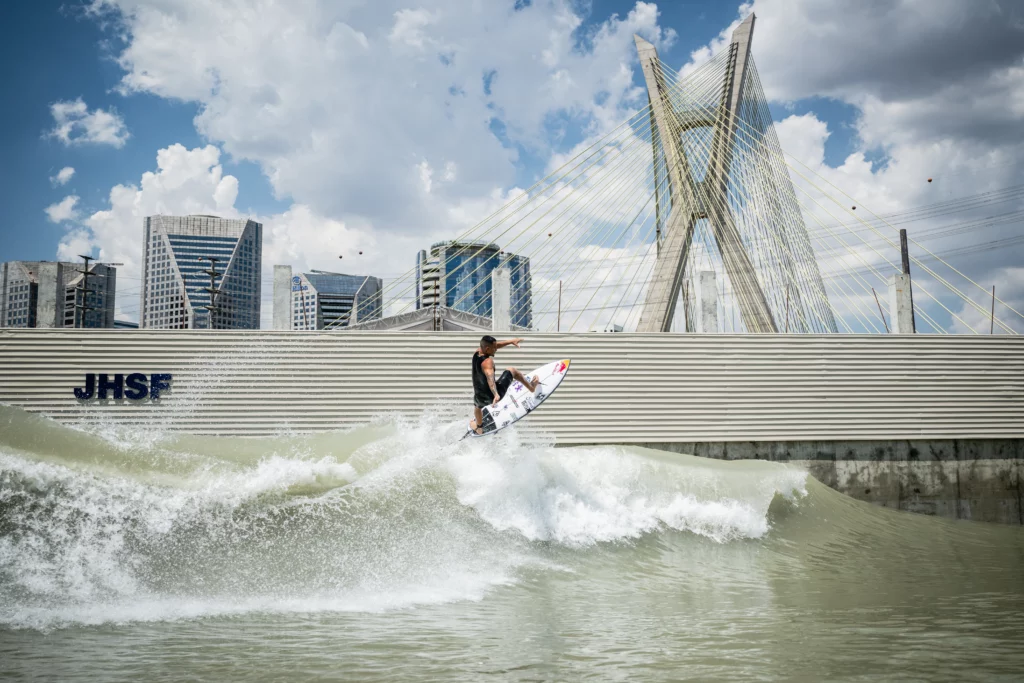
(116, 524)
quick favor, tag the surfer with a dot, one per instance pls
(487, 390)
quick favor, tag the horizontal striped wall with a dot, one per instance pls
(622, 388)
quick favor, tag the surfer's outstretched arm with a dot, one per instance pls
(509, 342)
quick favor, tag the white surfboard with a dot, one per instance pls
(518, 402)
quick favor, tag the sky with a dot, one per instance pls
(380, 126)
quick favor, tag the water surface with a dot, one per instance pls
(390, 553)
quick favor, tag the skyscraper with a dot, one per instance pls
(177, 255)
(458, 275)
(53, 294)
(333, 300)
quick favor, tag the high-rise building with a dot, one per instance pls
(178, 255)
(333, 300)
(457, 275)
(89, 300)
(56, 294)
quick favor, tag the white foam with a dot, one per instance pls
(147, 608)
(592, 495)
(394, 524)
(77, 558)
(75, 545)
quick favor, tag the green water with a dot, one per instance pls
(389, 553)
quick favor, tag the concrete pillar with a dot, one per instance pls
(501, 300)
(421, 259)
(901, 304)
(50, 301)
(282, 297)
(708, 302)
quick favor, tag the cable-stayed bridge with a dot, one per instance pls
(688, 216)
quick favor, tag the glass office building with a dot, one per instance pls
(334, 300)
(175, 289)
(457, 275)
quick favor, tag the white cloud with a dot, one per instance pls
(409, 27)
(186, 181)
(62, 211)
(75, 243)
(864, 241)
(391, 125)
(936, 87)
(192, 181)
(75, 124)
(345, 106)
(63, 176)
(1009, 283)
(890, 49)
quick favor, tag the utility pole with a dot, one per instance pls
(992, 315)
(212, 289)
(302, 300)
(83, 287)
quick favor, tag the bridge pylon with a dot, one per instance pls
(706, 198)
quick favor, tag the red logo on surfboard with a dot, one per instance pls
(562, 367)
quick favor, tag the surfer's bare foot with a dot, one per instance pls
(473, 428)
(530, 384)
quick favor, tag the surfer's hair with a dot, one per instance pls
(487, 340)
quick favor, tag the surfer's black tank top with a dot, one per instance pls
(480, 385)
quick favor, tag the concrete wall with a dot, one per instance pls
(978, 479)
(50, 302)
(852, 408)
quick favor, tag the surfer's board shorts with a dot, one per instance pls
(481, 400)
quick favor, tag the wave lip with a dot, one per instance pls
(584, 496)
